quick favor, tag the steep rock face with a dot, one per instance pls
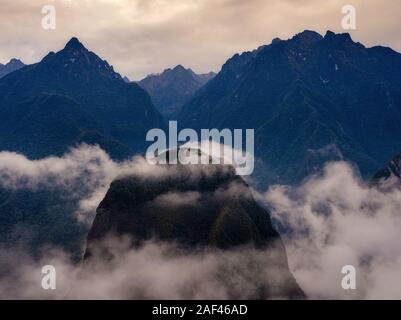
(123, 111)
(310, 99)
(173, 87)
(196, 208)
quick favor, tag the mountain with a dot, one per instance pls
(390, 175)
(40, 218)
(310, 99)
(12, 65)
(173, 87)
(49, 124)
(68, 98)
(205, 206)
(101, 98)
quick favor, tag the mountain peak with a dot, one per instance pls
(308, 35)
(15, 61)
(341, 36)
(74, 43)
(179, 67)
(309, 72)
(12, 65)
(275, 40)
(173, 87)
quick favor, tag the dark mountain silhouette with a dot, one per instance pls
(70, 97)
(40, 218)
(310, 99)
(173, 87)
(12, 65)
(120, 110)
(222, 214)
(391, 173)
(51, 124)
(38, 127)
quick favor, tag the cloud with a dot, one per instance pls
(145, 36)
(153, 271)
(234, 189)
(84, 175)
(331, 220)
(335, 219)
(189, 198)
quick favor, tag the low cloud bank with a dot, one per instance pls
(331, 220)
(335, 219)
(155, 270)
(83, 174)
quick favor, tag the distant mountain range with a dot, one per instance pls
(310, 99)
(47, 107)
(172, 88)
(12, 65)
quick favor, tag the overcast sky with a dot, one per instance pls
(140, 37)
